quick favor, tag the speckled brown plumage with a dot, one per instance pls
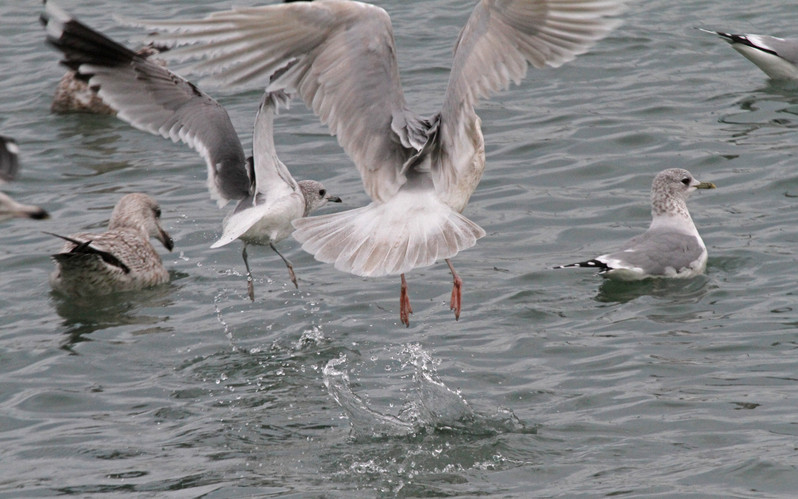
(121, 259)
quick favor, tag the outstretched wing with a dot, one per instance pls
(338, 55)
(503, 37)
(271, 175)
(153, 99)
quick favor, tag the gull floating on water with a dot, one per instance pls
(777, 57)
(339, 56)
(671, 247)
(121, 259)
(153, 99)
(9, 167)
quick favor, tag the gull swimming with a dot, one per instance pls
(156, 100)
(120, 259)
(9, 168)
(339, 56)
(671, 247)
(777, 57)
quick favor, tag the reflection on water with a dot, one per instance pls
(551, 385)
(84, 315)
(677, 290)
(774, 105)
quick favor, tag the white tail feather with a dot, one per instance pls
(413, 229)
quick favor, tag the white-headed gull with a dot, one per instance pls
(671, 247)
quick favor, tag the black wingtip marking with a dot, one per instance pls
(743, 40)
(592, 264)
(40, 215)
(85, 248)
(81, 44)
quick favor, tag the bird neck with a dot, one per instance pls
(125, 225)
(679, 221)
(669, 206)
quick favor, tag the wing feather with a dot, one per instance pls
(154, 99)
(497, 45)
(339, 56)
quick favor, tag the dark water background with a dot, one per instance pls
(553, 383)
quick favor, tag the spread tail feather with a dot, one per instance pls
(413, 229)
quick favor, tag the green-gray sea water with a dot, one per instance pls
(553, 383)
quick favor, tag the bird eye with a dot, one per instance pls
(323, 192)
(686, 181)
(157, 212)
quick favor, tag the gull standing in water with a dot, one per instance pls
(153, 99)
(777, 57)
(120, 259)
(9, 167)
(340, 57)
(671, 247)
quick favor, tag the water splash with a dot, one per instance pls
(364, 420)
(220, 317)
(429, 405)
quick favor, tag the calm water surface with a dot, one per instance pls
(553, 383)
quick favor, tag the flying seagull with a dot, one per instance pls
(671, 247)
(152, 98)
(339, 56)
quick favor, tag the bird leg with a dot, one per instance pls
(404, 304)
(456, 291)
(250, 285)
(287, 264)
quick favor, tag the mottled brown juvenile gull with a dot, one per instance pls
(156, 100)
(120, 259)
(671, 247)
(9, 168)
(777, 57)
(340, 57)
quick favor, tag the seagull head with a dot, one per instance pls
(670, 190)
(140, 211)
(315, 195)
